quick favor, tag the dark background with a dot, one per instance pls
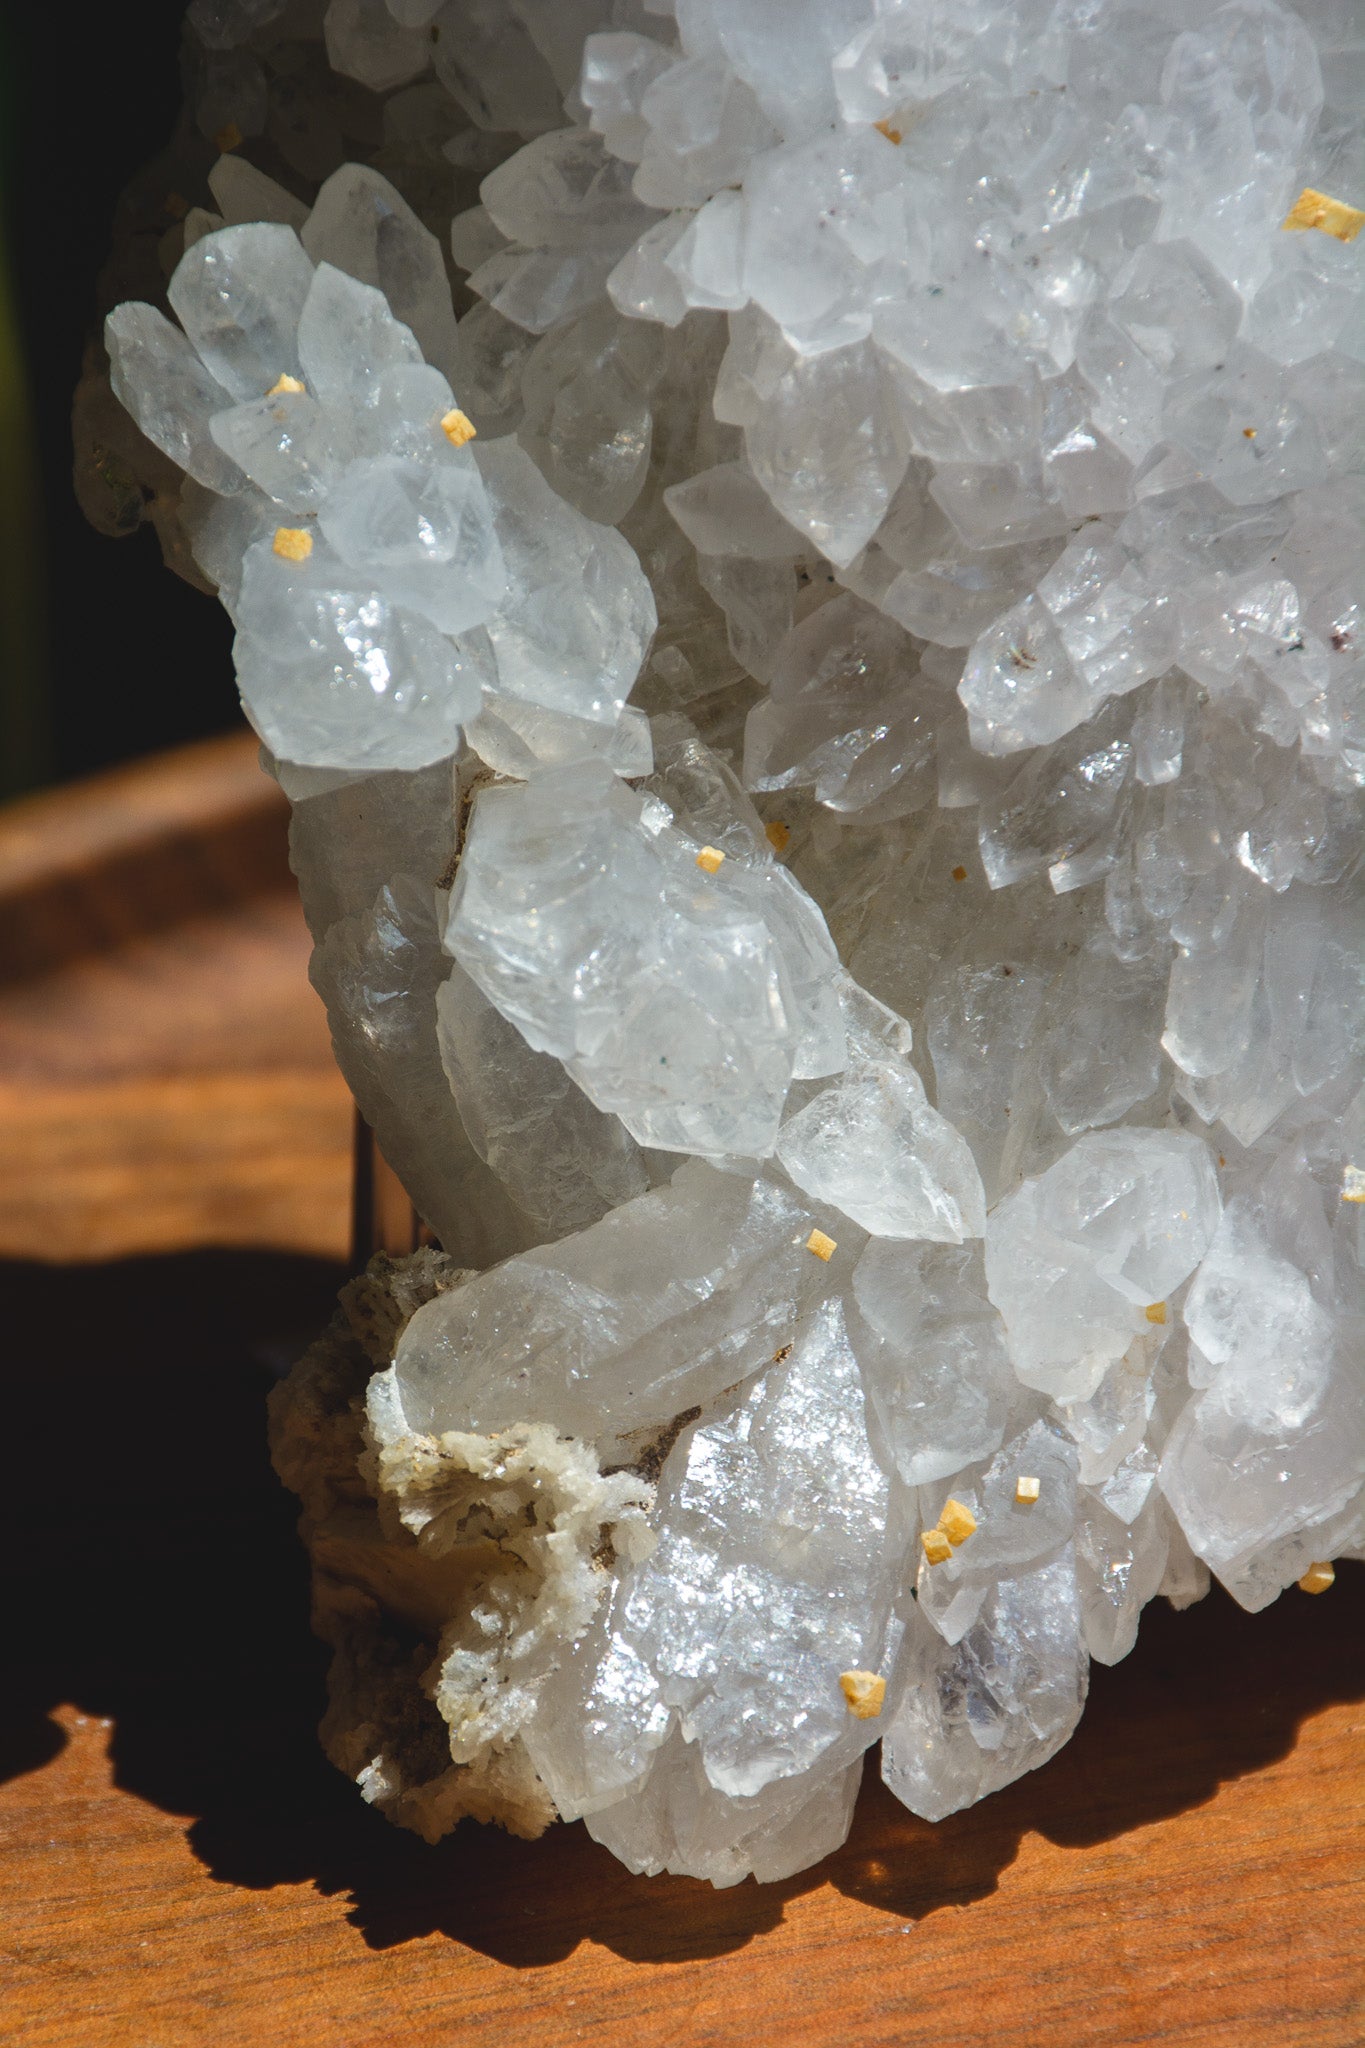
(104, 654)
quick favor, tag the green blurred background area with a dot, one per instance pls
(104, 654)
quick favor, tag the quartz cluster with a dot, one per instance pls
(813, 635)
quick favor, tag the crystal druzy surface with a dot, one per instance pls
(824, 721)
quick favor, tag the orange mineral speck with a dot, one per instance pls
(284, 386)
(710, 860)
(1319, 210)
(1317, 1578)
(864, 1692)
(889, 129)
(937, 1548)
(823, 1246)
(458, 427)
(959, 874)
(229, 137)
(292, 543)
(957, 1522)
(1155, 1312)
(777, 835)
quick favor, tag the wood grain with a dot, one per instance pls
(180, 1866)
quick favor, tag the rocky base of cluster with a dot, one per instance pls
(448, 1571)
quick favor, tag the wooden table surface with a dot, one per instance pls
(181, 1869)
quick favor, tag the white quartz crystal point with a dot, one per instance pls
(977, 1714)
(287, 444)
(781, 1546)
(334, 675)
(365, 40)
(562, 1161)
(578, 614)
(673, 995)
(517, 739)
(824, 441)
(611, 1334)
(933, 1356)
(158, 377)
(849, 714)
(618, 68)
(1094, 628)
(348, 339)
(423, 535)
(675, 1820)
(361, 224)
(1273, 1368)
(241, 192)
(871, 1144)
(1075, 1258)
(239, 295)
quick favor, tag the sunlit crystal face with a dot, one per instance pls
(823, 719)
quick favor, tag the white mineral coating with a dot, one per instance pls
(877, 708)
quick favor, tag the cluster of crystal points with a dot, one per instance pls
(923, 414)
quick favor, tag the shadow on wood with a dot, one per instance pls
(152, 1575)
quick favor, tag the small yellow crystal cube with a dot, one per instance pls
(1317, 1578)
(285, 385)
(294, 543)
(777, 834)
(1155, 1312)
(823, 1247)
(1317, 210)
(957, 1521)
(1027, 1488)
(864, 1691)
(709, 859)
(936, 1545)
(458, 427)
